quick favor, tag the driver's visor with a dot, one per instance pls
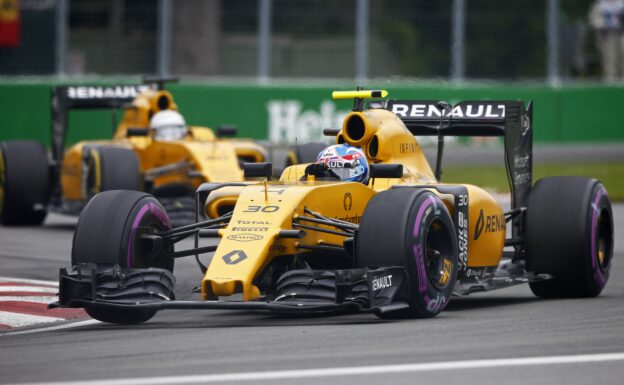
(173, 132)
(343, 173)
(341, 167)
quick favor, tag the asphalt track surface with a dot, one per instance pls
(503, 337)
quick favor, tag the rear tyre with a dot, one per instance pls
(109, 232)
(24, 183)
(569, 235)
(411, 228)
(112, 168)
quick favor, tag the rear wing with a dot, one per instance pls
(67, 98)
(470, 118)
(509, 119)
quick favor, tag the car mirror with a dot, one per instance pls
(258, 170)
(386, 170)
(226, 131)
(137, 131)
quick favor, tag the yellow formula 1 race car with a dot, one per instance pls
(152, 150)
(366, 228)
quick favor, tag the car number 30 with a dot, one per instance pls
(263, 209)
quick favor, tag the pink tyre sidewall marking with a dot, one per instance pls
(157, 212)
(438, 303)
(598, 275)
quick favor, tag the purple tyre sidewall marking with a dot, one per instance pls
(417, 248)
(157, 212)
(440, 301)
(598, 275)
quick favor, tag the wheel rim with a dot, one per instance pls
(94, 176)
(148, 221)
(604, 239)
(141, 251)
(438, 254)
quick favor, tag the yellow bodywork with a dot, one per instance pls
(250, 241)
(257, 221)
(213, 159)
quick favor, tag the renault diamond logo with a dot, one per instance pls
(479, 227)
(347, 201)
(234, 257)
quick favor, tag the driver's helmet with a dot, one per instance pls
(168, 125)
(347, 162)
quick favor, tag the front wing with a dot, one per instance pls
(352, 290)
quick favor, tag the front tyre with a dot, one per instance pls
(411, 228)
(108, 233)
(569, 235)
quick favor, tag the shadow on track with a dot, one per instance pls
(246, 319)
(60, 226)
(475, 303)
(236, 320)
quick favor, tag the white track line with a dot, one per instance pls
(51, 328)
(28, 298)
(352, 371)
(31, 281)
(29, 289)
(18, 320)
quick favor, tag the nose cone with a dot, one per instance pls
(242, 253)
(245, 248)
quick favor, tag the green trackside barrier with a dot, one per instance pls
(293, 112)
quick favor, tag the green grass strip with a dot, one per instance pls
(495, 178)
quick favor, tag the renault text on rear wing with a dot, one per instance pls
(85, 96)
(469, 118)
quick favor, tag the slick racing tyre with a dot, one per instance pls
(569, 235)
(108, 233)
(24, 183)
(111, 168)
(411, 228)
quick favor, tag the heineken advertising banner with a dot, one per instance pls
(299, 113)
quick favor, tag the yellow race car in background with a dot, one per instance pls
(397, 243)
(168, 164)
